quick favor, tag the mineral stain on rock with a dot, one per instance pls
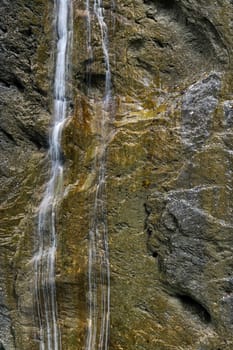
(168, 172)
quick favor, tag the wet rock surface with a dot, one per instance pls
(169, 172)
(24, 120)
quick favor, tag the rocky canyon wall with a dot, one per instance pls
(168, 171)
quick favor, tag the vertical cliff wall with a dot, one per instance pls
(168, 171)
(26, 44)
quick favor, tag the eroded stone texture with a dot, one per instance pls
(169, 172)
(24, 117)
(198, 106)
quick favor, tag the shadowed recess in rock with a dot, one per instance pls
(195, 308)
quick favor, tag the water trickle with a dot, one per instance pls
(44, 258)
(98, 266)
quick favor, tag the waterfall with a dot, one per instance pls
(98, 265)
(44, 257)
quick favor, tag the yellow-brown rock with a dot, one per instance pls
(168, 172)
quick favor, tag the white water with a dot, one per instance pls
(44, 258)
(99, 267)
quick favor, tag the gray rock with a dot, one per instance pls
(228, 113)
(199, 104)
(6, 335)
(188, 240)
(24, 117)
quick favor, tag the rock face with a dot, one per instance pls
(24, 120)
(169, 172)
(199, 104)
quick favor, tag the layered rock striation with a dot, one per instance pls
(168, 171)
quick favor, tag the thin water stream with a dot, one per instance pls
(99, 267)
(44, 257)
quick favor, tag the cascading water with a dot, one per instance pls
(44, 258)
(99, 267)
